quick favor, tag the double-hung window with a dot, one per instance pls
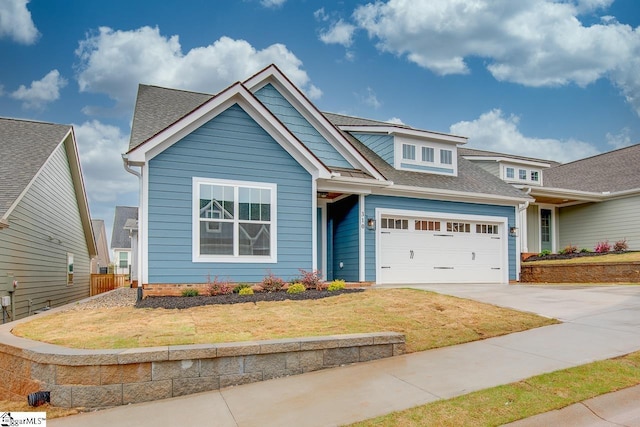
(234, 221)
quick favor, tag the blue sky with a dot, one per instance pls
(546, 79)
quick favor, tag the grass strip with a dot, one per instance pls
(507, 403)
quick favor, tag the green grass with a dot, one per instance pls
(504, 404)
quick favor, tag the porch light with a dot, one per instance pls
(371, 223)
(513, 231)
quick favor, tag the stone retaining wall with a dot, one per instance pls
(615, 272)
(103, 378)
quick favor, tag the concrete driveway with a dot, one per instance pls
(600, 322)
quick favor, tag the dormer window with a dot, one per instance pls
(408, 152)
(522, 174)
(511, 173)
(535, 177)
(427, 154)
(446, 157)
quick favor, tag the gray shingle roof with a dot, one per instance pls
(119, 236)
(472, 152)
(470, 179)
(158, 107)
(25, 146)
(344, 120)
(614, 171)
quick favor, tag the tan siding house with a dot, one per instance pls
(46, 238)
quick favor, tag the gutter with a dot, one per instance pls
(125, 162)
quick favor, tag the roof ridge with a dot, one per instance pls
(178, 90)
(606, 153)
(41, 122)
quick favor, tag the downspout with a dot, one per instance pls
(125, 163)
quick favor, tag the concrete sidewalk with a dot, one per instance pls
(600, 322)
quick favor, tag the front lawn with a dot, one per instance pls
(428, 320)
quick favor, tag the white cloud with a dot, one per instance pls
(114, 62)
(396, 121)
(620, 140)
(100, 147)
(16, 22)
(340, 33)
(272, 3)
(320, 15)
(492, 131)
(534, 43)
(41, 91)
(370, 99)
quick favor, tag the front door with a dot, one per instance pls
(545, 230)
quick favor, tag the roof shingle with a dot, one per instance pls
(25, 146)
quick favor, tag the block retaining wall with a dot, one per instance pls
(622, 272)
(104, 378)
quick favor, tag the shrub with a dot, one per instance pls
(621, 245)
(336, 285)
(602, 247)
(545, 252)
(311, 279)
(272, 283)
(240, 286)
(570, 249)
(296, 288)
(245, 291)
(190, 292)
(584, 251)
(218, 287)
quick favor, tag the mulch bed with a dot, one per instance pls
(188, 302)
(570, 256)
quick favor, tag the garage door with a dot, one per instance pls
(435, 250)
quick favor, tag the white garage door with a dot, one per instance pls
(435, 250)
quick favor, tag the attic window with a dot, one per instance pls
(446, 157)
(408, 152)
(427, 154)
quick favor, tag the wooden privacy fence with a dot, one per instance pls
(106, 282)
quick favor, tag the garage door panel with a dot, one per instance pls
(421, 256)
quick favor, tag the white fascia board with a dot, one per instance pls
(414, 133)
(236, 94)
(451, 195)
(300, 102)
(508, 160)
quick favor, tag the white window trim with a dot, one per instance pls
(435, 167)
(236, 258)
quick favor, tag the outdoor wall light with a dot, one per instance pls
(371, 224)
(513, 231)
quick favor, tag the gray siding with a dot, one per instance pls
(300, 127)
(492, 167)
(586, 225)
(382, 145)
(372, 202)
(44, 227)
(230, 146)
(533, 228)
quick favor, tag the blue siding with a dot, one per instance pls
(373, 202)
(230, 146)
(345, 239)
(382, 145)
(300, 127)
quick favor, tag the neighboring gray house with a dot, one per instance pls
(579, 203)
(46, 238)
(100, 263)
(124, 220)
